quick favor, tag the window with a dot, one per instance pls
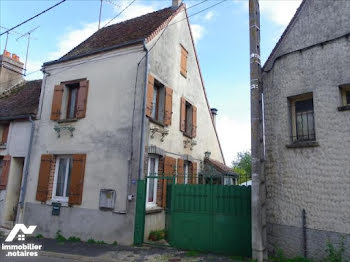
(188, 118)
(158, 102)
(70, 100)
(1, 165)
(183, 63)
(62, 179)
(345, 94)
(186, 171)
(151, 196)
(303, 124)
(4, 131)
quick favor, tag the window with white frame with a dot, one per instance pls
(186, 171)
(60, 190)
(151, 194)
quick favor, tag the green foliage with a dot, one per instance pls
(91, 241)
(39, 236)
(280, 257)
(98, 242)
(335, 254)
(59, 237)
(243, 166)
(156, 235)
(74, 239)
(115, 243)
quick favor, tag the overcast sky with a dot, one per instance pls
(221, 35)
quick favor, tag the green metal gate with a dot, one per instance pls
(209, 218)
(214, 218)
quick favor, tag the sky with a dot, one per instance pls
(221, 36)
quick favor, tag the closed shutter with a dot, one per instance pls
(149, 95)
(169, 170)
(183, 115)
(194, 121)
(44, 175)
(82, 99)
(168, 106)
(57, 102)
(160, 182)
(5, 172)
(5, 134)
(194, 172)
(183, 64)
(180, 171)
(77, 179)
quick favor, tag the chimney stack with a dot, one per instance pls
(214, 112)
(11, 70)
(176, 3)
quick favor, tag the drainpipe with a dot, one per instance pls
(142, 144)
(26, 171)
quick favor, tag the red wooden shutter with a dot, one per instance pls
(57, 102)
(160, 182)
(82, 99)
(183, 115)
(180, 171)
(44, 176)
(168, 106)
(194, 121)
(5, 172)
(194, 172)
(149, 95)
(5, 134)
(77, 179)
(169, 170)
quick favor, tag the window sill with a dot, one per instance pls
(67, 120)
(156, 122)
(154, 210)
(344, 108)
(3, 146)
(187, 135)
(303, 144)
(63, 204)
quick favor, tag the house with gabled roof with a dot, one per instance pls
(127, 103)
(306, 82)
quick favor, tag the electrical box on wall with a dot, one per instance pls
(107, 199)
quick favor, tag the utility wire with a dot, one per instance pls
(33, 17)
(119, 13)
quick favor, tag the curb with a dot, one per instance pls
(76, 257)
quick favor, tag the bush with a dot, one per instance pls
(334, 254)
(59, 237)
(74, 239)
(156, 235)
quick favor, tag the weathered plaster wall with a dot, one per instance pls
(154, 221)
(165, 66)
(104, 135)
(315, 179)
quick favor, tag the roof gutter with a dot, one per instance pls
(7, 118)
(26, 169)
(61, 60)
(143, 116)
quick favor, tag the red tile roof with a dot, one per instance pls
(133, 30)
(222, 168)
(22, 99)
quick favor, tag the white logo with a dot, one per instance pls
(16, 229)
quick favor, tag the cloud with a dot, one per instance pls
(74, 37)
(234, 136)
(32, 66)
(197, 32)
(208, 16)
(279, 12)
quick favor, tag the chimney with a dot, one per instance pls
(11, 70)
(214, 112)
(176, 3)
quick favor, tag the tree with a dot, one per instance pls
(242, 165)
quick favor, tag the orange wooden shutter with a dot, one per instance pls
(169, 170)
(160, 182)
(82, 99)
(5, 134)
(77, 179)
(168, 106)
(180, 171)
(44, 175)
(183, 64)
(5, 172)
(149, 95)
(194, 172)
(183, 115)
(57, 102)
(194, 121)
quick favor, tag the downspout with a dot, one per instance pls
(26, 169)
(143, 119)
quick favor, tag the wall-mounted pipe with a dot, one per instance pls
(304, 233)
